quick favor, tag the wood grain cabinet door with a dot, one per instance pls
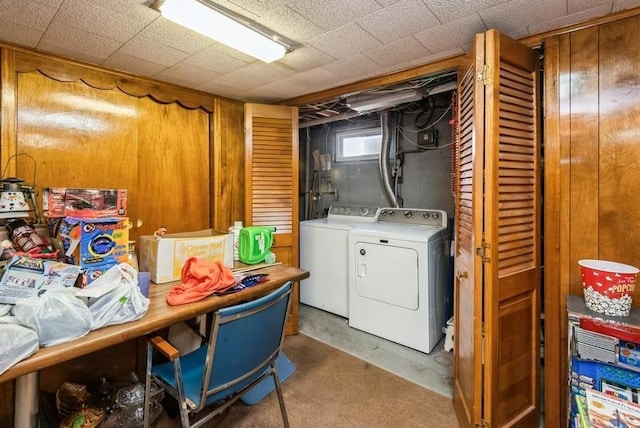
(271, 182)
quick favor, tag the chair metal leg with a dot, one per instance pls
(283, 409)
(147, 388)
(182, 401)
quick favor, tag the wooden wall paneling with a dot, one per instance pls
(552, 371)
(8, 105)
(619, 143)
(583, 120)
(174, 173)
(227, 164)
(79, 136)
(591, 149)
(67, 70)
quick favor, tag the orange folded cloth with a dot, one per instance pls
(200, 278)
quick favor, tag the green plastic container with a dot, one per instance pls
(255, 243)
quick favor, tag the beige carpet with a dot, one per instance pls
(331, 388)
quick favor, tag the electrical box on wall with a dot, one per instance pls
(428, 139)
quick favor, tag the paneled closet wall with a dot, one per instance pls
(592, 153)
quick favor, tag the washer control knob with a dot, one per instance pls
(435, 216)
(347, 210)
(392, 213)
(362, 252)
(408, 214)
(364, 212)
(426, 215)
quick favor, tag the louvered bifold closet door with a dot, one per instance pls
(467, 391)
(512, 234)
(497, 261)
(271, 182)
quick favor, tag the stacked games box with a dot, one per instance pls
(95, 244)
(605, 374)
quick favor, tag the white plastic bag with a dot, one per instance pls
(123, 302)
(17, 342)
(57, 316)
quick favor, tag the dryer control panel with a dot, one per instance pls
(415, 216)
(353, 212)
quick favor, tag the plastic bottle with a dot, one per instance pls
(235, 229)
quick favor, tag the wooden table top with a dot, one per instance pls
(160, 315)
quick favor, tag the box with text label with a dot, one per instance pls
(164, 258)
(95, 241)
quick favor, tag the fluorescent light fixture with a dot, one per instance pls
(225, 27)
(363, 103)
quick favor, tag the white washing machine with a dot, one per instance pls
(398, 276)
(323, 252)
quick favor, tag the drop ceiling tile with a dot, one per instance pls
(305, 58)
(187, 75)
(94, 19)
(399, 51)
(400, 20)
(242, 79)
(352, 66)
(448, 10)
(219, 89)
(27, 13)
(271, 71)
(133, 65)
(455, 34)
(290, 24)
(513, 18)
(387, 3)
(315, 78)
(330, 14)
(345, 41)
(63, 52)
(575, 6)
(213, 59)
(129, 8)
(567, 20)
(53, 3)
(231, 52)
(176, 36)
(152, 51)
(19, 34)
(437, 56)
(391, 69)
(74, 40)
(620, 5)
(275, 91)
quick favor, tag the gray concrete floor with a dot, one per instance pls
(433, 371)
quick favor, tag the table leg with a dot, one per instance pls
(25, 414)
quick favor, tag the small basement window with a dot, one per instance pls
(355, 145)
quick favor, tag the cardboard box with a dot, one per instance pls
(95, 241)
(164, 258)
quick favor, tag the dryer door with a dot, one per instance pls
(387, 274)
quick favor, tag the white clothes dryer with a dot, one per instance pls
(323, 252)
(398, 276)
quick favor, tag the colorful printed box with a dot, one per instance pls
(95, 241)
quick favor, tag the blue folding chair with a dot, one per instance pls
(244, 343)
